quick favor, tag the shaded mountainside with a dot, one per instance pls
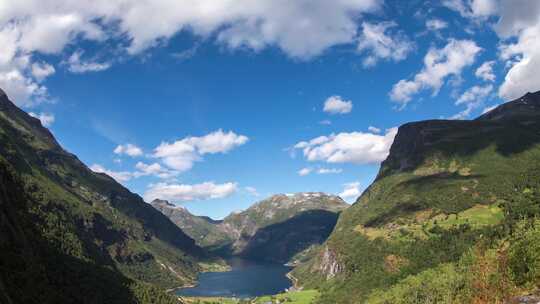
(71, 235)
(274, 229)
(446, 187)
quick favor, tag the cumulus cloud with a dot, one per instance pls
(185, 193)
(301, 29)
(304, 171)
(485, 71)
(181, 154)
(128, 149)
(350, 192)
(46, 119)
(354, 147)
(436, 24)
(472, 98)
(379, 43)
(78, 66)
(520, 27)
(336, 105)
(438, 65)
(119, 176)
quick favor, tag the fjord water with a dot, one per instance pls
(246, 279)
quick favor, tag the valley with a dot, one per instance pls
(452, 216)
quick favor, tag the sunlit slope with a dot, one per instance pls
(436, 195)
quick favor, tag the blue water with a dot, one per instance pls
(246, 279)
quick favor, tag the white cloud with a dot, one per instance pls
(304, 171)
(41, 70)
(181, 154)
(154, 169)
(252, 190)
(16, 73)
(217, 142)
(373, 129)
(354, 147)
(376, 40)
(329, 171)
(336, 105)
(119, 176)
(438, 65)
(351, 191)
(473, 98)
(46, 119)
(474, 93)
(485, 71)
(77, 65)
(520, 26)
(128, 149)
(301, 29)
(436, 24)
(142, 169)
(474, 9)
(185, 193)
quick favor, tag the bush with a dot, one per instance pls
(524, 253)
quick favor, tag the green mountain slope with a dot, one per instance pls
(70, 235)
(275, 229)
(446, 188)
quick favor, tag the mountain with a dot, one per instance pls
(274, 229)
(448, 194)
(202, 229)
(70, 235)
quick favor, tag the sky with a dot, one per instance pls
(217, 104)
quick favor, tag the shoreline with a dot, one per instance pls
(295, 285)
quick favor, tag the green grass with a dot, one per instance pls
(295, 297)
(479, 215)
(210, 300)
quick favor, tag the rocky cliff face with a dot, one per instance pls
(273, 229)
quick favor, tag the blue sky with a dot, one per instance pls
(217, 104)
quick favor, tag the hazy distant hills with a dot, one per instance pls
(274, 229)
(446, 188)
(69, 235)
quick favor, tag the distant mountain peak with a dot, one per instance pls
(166, 203)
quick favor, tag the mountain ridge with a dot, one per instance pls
(245, 233)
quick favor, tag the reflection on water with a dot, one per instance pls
(246, 279)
